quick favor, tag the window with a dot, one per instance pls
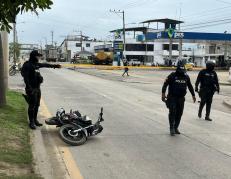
(174, 47)
(88, 45)
(139, 47)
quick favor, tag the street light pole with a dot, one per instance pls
(124, 38)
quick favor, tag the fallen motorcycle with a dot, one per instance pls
(75, 128)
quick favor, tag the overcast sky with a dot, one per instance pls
(95, 20)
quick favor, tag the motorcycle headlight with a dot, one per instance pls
(60, 112)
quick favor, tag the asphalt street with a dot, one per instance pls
(135, 142)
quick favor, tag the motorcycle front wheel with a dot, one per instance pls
(68, 136)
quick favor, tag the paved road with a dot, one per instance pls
(135, 142)
(152, 81)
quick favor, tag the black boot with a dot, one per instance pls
(208, 119)
(177, 131)
(31, 118)
(35, 114)
(172, 131)
(199, 115)
(37, 123)
(32, 126)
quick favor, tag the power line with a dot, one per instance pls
(223, 1)
(205, 26)
(138, 3)
(206, 12)
(208, 22)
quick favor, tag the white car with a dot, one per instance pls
(134, 62)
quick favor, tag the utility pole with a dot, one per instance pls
(170, 48)
(46, 48)
(81, 40)
(180, 40)
(14, 42)
(180, 46)
(124, 31)
(124, 38)
(226, 49)
(66, 45)
(52, 37)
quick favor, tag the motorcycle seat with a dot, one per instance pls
(86, 120)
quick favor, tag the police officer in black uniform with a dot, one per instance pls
(177, 83)
(33, 80)
(209, 84)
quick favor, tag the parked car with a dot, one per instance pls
(134, 62)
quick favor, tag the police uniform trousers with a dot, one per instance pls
(206, 96)
(176, 108)
(34, 103)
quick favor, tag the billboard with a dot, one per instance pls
(150, 36)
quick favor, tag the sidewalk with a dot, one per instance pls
(227, 102)
(225, 83)
(48, 161)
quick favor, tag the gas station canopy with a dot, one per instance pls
(166, 20)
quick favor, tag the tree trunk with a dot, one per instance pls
(2, 75)
(5, 48)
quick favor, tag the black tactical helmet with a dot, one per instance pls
(35, 53)
(180, 68)
(33, 56)
(210, 65)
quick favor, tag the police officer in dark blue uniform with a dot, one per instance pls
(177, 83)
(33, 80)
(209, 84)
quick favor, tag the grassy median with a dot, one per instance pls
(16, 158)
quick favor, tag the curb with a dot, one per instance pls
(227, 103)
(104, 67)
(225, 83)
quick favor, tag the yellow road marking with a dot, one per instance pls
(71, 165)
(106, 67)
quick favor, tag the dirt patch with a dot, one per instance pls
(14, 170)
(14, 143)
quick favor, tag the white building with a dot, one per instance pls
(151, 46)
(73, 45)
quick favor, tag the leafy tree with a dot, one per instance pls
(9, 9)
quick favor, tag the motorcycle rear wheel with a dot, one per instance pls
(80, 139)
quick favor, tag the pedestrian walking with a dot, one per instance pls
(177, 83)
(208, 81)
(33, 79)
(126, 69)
